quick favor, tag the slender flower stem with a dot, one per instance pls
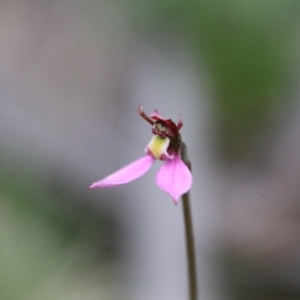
(189, 237)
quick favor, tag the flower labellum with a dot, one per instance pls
(174, 177)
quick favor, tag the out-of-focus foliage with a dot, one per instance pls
(247, 47)
(49, 238)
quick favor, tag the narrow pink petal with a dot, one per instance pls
(155, 115)
(175, 178)
(126, 174)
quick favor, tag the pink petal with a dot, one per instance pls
(175, 178)
(126, 174)
(156, 116)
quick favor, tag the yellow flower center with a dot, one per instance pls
(158, 146)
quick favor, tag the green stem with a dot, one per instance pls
(189, 237)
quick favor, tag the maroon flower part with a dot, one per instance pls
(161, 126)
(173, 177)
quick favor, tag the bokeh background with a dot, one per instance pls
(72, 74)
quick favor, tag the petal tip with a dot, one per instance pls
(141, 108)
(175, 201)
(91, 187)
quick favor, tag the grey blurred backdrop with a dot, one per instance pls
(72, 74)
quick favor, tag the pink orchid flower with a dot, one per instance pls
(173, 177)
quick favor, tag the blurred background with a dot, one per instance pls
(72, 74)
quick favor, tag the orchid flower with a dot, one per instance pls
(173, 177)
